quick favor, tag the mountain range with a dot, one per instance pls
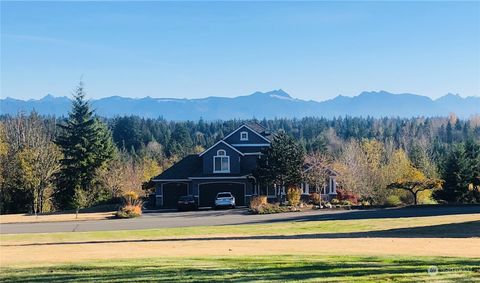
(273, 104)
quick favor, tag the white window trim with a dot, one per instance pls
(244, 138)
(253, 131)
(249, 144)
(274, 191)
(220, 141)
(305, 188)
(221, 156)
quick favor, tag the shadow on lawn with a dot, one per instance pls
(456, 230)
(285, 268)
(401, 212)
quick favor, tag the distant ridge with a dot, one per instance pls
(272, 104)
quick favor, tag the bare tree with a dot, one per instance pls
(360, 169)
(35, 156)
(319, 166)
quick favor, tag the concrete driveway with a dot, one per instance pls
(227, 217)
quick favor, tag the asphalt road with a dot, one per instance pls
(226, 217)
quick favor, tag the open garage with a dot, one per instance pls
(172, 192)
(208, 192)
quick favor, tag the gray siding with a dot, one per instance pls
(253, 137)
(249, 163)
(208, 159)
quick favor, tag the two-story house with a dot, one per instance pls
(226, 166)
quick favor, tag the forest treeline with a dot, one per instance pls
(57, 163)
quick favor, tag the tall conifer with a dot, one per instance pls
(87, 146)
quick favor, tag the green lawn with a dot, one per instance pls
(300, 268)
(260, 269)
(447, 226)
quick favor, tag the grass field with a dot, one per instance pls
(373, 250)
(262, 269)
(454, 226)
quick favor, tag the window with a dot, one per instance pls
(244, 136)
(221, 162)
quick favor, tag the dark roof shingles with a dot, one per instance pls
(183, 169)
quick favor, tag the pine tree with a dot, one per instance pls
(281, 163)
(456, 174)
(449, 132)
(87, 146)
(472, 153)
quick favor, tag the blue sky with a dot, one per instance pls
(312, 50)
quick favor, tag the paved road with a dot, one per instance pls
(226, 217)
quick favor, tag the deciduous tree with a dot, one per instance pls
(416, 185)
(319, 166)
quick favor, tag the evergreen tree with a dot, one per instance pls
(86, 145)
(281, 163)
(456, 176)
(472, 153)
(181, 142)
(449, 132)
(127, 132)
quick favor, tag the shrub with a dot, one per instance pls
(132, 206)
(425, 197)
(347, 196)
(315, 198)
(393, 200)
(257, 201)
(269, 208)
(293, 196)
(345, 202)
(335, 201)
(129, 211)
(365, 203)
(131, 198)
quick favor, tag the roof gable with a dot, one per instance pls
(221, 141)
(249, 128)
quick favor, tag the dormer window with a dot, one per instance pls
(244, 136)
(221, 162)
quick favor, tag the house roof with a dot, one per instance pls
(260, 129)
(220, 141)
(182, 169)
(256, 127)
(191, 167)
(255, 130)
(249, 149)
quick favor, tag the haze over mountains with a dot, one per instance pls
(259, 105)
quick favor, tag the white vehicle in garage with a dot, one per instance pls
(224, 199)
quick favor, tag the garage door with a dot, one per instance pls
(208, 192)
(172, 192)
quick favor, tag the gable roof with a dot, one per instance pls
(221, 141)
(183, 169)
(254, 131)
(256, 127)
(190, 167)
